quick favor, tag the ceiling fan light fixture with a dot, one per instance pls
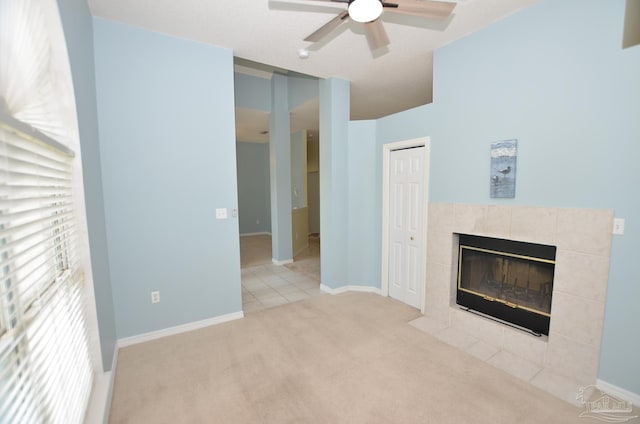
(365, 10)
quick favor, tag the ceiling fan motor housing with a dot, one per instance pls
(365, 10)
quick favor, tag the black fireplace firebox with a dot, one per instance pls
(508, 280)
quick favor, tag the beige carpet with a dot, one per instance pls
(350, 358)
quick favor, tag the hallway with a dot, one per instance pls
(265, 285)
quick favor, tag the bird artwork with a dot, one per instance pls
(503, 169)
(506, 170)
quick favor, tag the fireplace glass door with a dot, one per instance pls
(505, 280)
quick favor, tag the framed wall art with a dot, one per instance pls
(503, 169)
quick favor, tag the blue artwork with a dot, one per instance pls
(503, 169)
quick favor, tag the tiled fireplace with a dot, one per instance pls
(567, 358)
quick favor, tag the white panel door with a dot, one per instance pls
(406, 220)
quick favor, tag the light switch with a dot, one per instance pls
(618, 226)
(221, 213)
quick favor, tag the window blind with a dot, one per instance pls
(45, 369)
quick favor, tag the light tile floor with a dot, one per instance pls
(265, 285)
(515, 365)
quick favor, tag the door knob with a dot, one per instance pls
(411, 237)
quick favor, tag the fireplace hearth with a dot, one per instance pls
(508, 280)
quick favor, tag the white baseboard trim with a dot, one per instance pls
(100, 401)
(112, 377)
(344, 289)
(153, 335)
(285, 262)
(265, 233)
(101, 395)
(618, 392)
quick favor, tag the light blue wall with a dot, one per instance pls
(78, 30)
(365, 213)
(254, 202)
(302, 88)
(252, 92)
(554, 77)
(334, 188)
(166, 116)
(407, 125)
(280, 169)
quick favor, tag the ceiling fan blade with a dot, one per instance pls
(425, 8)
(328, 27)
(376, 35)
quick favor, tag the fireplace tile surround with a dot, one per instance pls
(568, 358)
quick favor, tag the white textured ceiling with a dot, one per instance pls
(270, 32)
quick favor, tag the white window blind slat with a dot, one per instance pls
(25, 395)
(25, 166)
(56, 213)
(36, 279)
(26, 243)
(20, 149)
(67, 374)
(45, 370)
(25, 204)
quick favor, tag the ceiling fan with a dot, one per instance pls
(368, 12)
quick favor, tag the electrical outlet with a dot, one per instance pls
(155, 297)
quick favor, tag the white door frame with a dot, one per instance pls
(386, 154)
